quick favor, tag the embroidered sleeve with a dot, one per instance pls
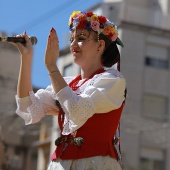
(103, 93)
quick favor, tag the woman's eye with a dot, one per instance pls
(81, 39)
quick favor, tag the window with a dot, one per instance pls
(155, 106)
(149, 164)
(156, 63)
(152, 159)
(68, 69)
(157, 56)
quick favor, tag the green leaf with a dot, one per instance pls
(119, 42)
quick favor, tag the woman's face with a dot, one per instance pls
(84, 48)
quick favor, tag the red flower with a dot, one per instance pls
(89, 14)
(102, 19)
(82, 24)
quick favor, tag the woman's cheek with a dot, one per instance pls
(80, 43)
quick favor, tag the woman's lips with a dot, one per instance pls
(75, 51)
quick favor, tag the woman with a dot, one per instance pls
(88, 106)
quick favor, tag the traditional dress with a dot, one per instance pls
(88, 118)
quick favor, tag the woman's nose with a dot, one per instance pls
(73, 43)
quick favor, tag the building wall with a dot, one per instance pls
(142, 80)
(145, 135)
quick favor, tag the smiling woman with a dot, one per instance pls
(88, 106)
(81, 43)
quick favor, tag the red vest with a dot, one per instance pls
(97, 132)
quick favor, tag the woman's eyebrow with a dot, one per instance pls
(81, 35)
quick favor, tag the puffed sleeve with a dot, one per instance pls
(106, 93)
(35, 106)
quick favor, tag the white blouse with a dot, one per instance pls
(101, 94)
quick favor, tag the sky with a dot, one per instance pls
(37, 17)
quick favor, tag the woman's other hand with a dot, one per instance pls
(51, 110)
(52, 51)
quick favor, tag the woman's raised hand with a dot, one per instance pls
(52, 51)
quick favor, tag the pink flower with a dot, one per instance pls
(114, 37)
(95, 25)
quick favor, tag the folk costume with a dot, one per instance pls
(89, 110)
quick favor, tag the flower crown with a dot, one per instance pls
(100, 24)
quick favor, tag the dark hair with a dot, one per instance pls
(111, 53)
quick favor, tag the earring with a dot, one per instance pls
(98, 37)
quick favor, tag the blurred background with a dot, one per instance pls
(144, 28)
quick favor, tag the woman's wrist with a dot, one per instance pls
(52, 72)
(26, 60)
(52, 69)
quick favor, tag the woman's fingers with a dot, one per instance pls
(28, 41)
(52, 49)
(54, 35)
(53, 39)
(26, 48)
(51, 110)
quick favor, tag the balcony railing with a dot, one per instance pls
(145, 16)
